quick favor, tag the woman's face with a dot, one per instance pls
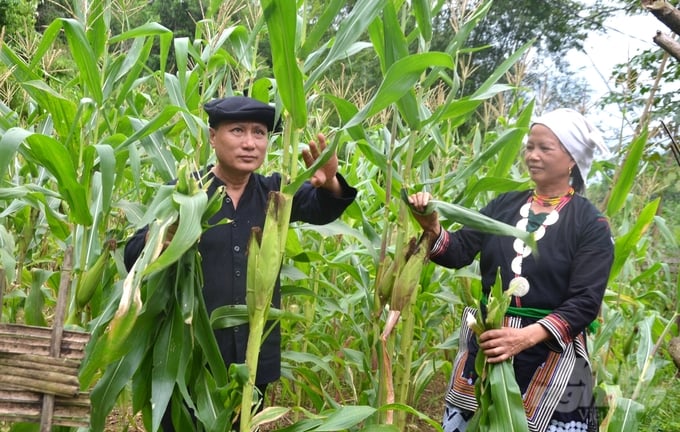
(548, 162)
(240, 146)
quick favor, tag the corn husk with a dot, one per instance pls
(265, 254)
(500, 402)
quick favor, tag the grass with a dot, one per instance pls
(663, 416)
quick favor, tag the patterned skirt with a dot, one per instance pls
(556, 384)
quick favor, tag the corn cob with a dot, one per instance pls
(265, 253)
(405, 285)
(92, 277)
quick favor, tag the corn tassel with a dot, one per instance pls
(265, 254)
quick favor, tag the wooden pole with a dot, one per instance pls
(57, 333)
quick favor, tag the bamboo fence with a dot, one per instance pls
(39, 368)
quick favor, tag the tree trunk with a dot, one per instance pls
(668, 44)
(664, 12)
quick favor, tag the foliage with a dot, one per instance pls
(557, 27)
(85, 152)
(16, 16)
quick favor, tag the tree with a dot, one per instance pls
(670, 16)
(16, 15)
(557, 28)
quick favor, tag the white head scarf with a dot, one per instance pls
(576, 134)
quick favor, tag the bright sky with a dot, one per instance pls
(626, 37)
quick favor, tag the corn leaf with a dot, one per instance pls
(400, 79)
(507, 399)
(423, 14)
(346, 417)
(321, 26)
(351, 28)
(627, 176)
(625, 244)
(52, 154)
(188, 231)
(626, 415)
(293, 186)
(107, 389)
(165, 364)
(396, 48)
(454, 213)
(150, 29)
(85, 58)
(281, 18)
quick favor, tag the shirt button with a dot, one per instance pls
(235, 329)
(227, 200)
(237, 273)
(237, 248)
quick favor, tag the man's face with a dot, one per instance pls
(240, 146)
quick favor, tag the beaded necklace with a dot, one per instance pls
(536, 223)
(546, 201)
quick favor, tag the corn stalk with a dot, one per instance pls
(265, 253)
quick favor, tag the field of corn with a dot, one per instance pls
(86, 152)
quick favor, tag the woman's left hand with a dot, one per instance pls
(324, 177)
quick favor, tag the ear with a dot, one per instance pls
(211, 136)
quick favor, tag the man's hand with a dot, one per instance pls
(324, 177)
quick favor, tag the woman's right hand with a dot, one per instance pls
(430, 222)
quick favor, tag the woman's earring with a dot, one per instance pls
(570, 167)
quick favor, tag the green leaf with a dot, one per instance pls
(624, 245)
(491, 184)
(645, 350)
(166, 363)
(351, 28)
(423, 14)
(35, 301)
(454, 213)
(507, 399)
(325, 155)
(85, 58)
(150, 29)
(118, 375)
(51, 154)
(330, 11)
(626, 416)
(62, 110)
(107, 167)
(188, 231)
(281, 19)
(346, 417)
(9, 143)
(627, 176)
(399, 79)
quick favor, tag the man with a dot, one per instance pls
(239, 135)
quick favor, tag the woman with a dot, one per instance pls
(566, 280)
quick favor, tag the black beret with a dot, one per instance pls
(240, 108)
